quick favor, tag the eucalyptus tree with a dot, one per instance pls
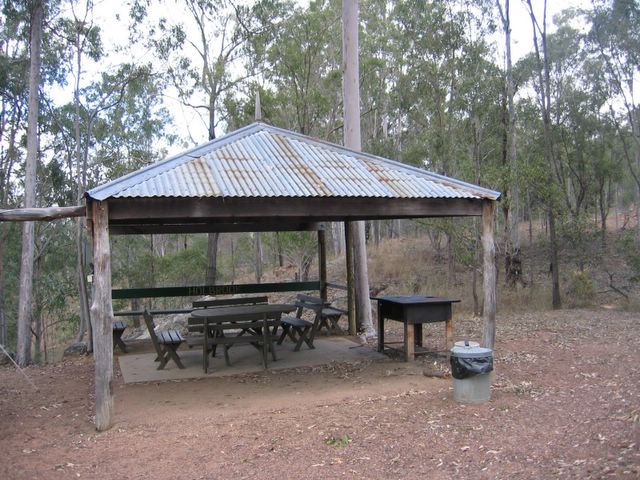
(614, 37)
(95, 97)
(440, 52)
(203, 59)
(14, 68)
(579, 165)
(19, 78)
(543, 87)
(510, 190)
(79, 37)
(299, 71)
(23, 350)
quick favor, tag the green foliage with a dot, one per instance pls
(338, 442)
(299, 248)
(432, 94)
(629, 246)
(581, 290)
(580, 239)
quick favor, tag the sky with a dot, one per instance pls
(193, 128)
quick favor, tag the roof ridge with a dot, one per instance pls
(355, 160)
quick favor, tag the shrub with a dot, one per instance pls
(581, 290)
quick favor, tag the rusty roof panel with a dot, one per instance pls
(265, 161)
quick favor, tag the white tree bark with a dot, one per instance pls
(351, 96)
(489, 275)
(23, 350)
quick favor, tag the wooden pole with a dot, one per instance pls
(102, 315)
(489, 268)
(49, 213)
(322, 263)
(351, 278)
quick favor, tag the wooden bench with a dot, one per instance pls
(166, 342)
(327, 316)
(118, 329)
(227, 302)
(300, 330)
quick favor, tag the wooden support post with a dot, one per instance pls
(322, 263)
(489, 269)
(409, 342)
(102, 315)
(448, 334)
(351, 279)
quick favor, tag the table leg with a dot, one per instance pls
(205, 347)
(380, 330)
(418, 332)
(449, 333)
(409, 342)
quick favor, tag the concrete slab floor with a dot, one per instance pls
(139, 366)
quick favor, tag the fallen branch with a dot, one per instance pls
(614, 288)
(18, 367)
(49, 213)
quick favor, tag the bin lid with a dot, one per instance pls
(471, 352)
(469, 343)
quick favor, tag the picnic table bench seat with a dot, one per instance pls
(302, 331)
(327, 315)
(329, 318)
(229, 302)
(298, 330)
(166, 342)
(118, 329)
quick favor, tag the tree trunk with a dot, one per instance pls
(10, 159)
(23, 351)
(212, 254)
(544, 83)
(638, 199)
(258, 251)
(81, 167)
(512, 204)
(136, 305)
(489, 278)
(351, 287)
(279, 250)
(556, 301)
(451, 261)
(83, 291)
(376, 232)
(351, 101)
(339, 239)
(477, 306)
(3, 317)
(322, 263)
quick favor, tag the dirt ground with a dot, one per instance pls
(565, 403)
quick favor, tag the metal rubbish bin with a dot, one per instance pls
(471, 366)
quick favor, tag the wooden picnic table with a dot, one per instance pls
(413, 311)
(254, 324)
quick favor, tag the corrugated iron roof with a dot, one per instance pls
(265, 161)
